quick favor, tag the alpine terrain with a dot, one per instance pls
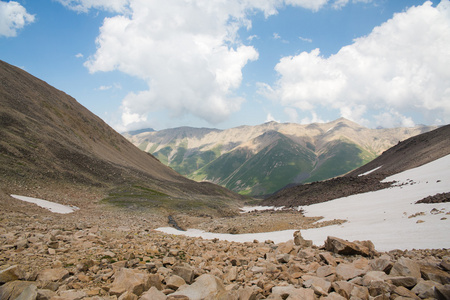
(260, 160)
(51, 146)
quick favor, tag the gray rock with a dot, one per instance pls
(29, 293)
(426, 289)
(12, 289)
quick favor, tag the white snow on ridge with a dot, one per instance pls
(368, 172)
(384, 216)
(51, 206)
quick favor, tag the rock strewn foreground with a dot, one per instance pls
(41, 258)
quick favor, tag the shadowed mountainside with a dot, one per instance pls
(411, 153)
(48, 139)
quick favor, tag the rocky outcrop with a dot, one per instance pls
(100, 261)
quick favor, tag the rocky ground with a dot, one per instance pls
(253, 222)
(111, 255)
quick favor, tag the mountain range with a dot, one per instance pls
(49, 143)
(408, 154)
(260, 160)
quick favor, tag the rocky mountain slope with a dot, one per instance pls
(408, 154)
(49, 143)
(262, 159)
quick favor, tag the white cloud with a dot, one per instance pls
(13, 17)
(313, 5)
(85, 5)
(270, 118)
(105, 87)
(305, 39)
(399, 69)
(79, 55)
(188, 52)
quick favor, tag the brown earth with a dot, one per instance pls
(49, 143)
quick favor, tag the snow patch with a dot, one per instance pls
(51, 206)
(247, 209)
(368, 172)
(388, 217)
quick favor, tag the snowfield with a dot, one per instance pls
(389, 217)
(51, 206)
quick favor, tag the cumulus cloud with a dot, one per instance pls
(189, 52)
(13, 17)
(399, 69)
(271, 118)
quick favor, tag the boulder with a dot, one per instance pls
(292, 293)
(29, 293)
(128, 296)
(443, 292)
(343, 288)
(286, 247)
(316, 282)
(57, 274)
(340, 246)
(372, 276)
(405, 267)
(155, 280)
(12, 289)
(326, 271)
(131, 280)
(300, 241)
(406, 281)
(174, 282)
(426, 289)
(333, 296)
(10, 274)
(302, 294)
(382, 263)
(204, 286)
(404, 292)
(246, 293)
(435, 274)
(185, 272)
(72, 295)
(445, 263)
(328, 258)
(45, 294)
(153, 294)
(231, 274)
(348, 271)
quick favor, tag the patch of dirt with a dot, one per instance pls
(253, 222)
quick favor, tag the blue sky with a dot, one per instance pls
(222, 64)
